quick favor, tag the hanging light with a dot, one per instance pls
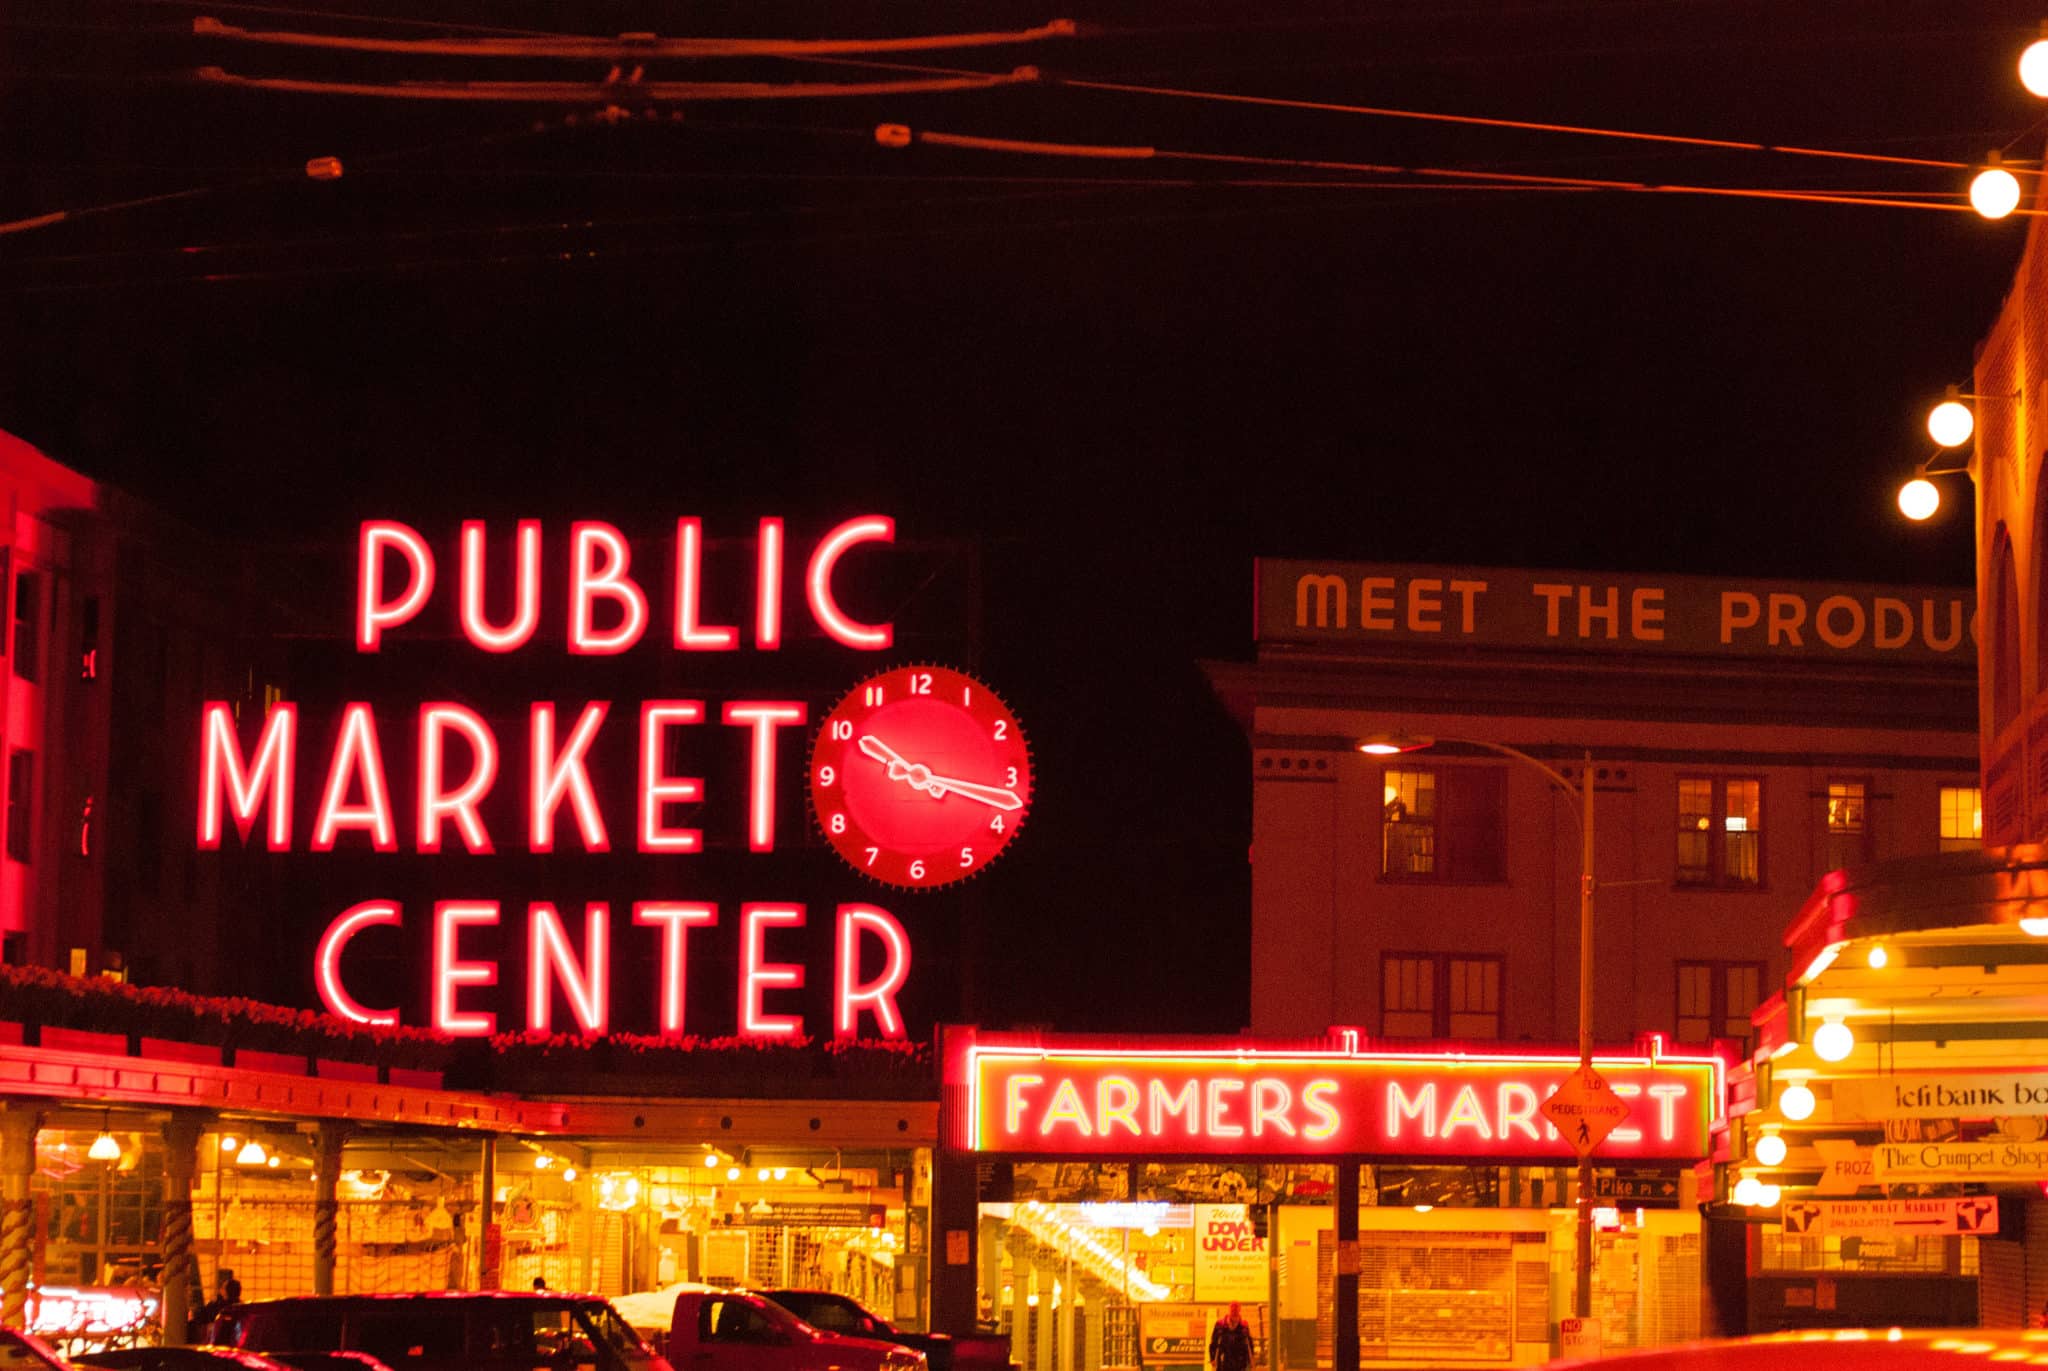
(1879, 958)
(543, 1162)
(1767, 1196)
(732, 1173)
(273, 1161)
(762, 1174)
(1994, 193)
(2034, 928)
(252, 1154)
(104, 1148)
(2034, 67)
(781, 1173)
(1746, 1190)
(1919, 498)
(1833, 1041)
(569, 1174)
(1795, 1102)
(229, 1142)
(1951, 423)
(1771, 1149)
(710, 1159)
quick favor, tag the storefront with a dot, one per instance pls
(1885, 1149)
(1104, 1199)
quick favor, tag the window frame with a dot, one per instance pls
(1866, 836)
(1440, 980)
(1456, 862)
(1944, 843)
(1717, 997)
(1716, 877)
(18, 842)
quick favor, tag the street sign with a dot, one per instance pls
(1637, 1189)
(1989, 1160)
(1844, 1166)
(1585, 1110)
(1578, 1337)
(1888, 1218)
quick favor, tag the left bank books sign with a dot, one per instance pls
(1073, 1097)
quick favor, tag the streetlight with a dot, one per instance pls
(1388, 744)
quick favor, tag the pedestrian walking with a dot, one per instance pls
(1230, 1342)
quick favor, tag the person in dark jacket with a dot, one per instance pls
(1230, 1342)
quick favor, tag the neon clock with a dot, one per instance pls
(920, 776)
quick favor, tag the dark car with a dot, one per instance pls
(945, 1352)
(176, 1359)
(447, 1331)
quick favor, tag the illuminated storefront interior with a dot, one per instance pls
(1090, 1253)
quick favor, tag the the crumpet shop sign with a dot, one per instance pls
(1357, 604)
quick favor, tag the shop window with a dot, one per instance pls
(1962, 818)
(1715, 999)
(1435, 995)
(1720, 831)
(28, 625)
(21, 775)
(1848, 824)
(1443, 824)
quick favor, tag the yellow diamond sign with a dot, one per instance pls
(1585, 1109)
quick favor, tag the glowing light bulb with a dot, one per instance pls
(2034, 928)
(229, 1143)
(781, 1173)
(1951, 423)
(543, 1162)
(1746, 1190)
(732, 1173)
(273, 1161)
(1795, 1102)
(1994, 193)
(104, 1148)
(1833, 1041)
(1771, 1150)
(762, 1174)
(1879, 957)
(569, 1173)
(1767, 1196)
(710, 1159)
(1919, 498)
(251, 1154)
(2034, 68)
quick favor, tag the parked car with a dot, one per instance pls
(202, 1358)
(1833, 1349)
(26, 1352)
(945, 1351)
(446, 1331)
(731, 1330)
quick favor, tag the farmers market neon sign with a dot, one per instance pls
(460, 761)
(1076, 1099)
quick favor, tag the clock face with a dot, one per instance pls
(920, 776)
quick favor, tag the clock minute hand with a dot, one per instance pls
(992, 795)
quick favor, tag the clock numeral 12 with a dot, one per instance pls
(920, 683)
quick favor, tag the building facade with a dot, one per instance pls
(1746, 738)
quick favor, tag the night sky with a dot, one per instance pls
(1121, 392)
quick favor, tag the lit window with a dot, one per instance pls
(1962, 818)
(1720, 831)
(1847, 827)
(1443, 824)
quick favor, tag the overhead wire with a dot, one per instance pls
(600, 92)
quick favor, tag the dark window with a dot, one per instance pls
(403, 1336)
(89, 639)
(28, 625)
(1848, 824)
(1438, 995)
(1720, 831)
(314, 1329)
(1443, 824)
(14, 949)
(1715, 999)
(21, 780)
(731, 1320)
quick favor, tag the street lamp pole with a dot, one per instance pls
(1582, 1266)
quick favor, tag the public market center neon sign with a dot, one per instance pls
(461, 761)
(1068, 1099)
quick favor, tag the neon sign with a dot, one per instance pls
(251, 773)
(1070, 1097)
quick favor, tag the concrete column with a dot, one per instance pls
(1044, 1272)
(1020, 1298)
(1063, 1320)
(488, 1249)
(18, 1125)
(1097, 1295)
(1347, 1281)
(181, 1268)
(326, 1204)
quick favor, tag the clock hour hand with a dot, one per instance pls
(919, 777)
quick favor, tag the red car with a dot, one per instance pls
(723, 1330)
